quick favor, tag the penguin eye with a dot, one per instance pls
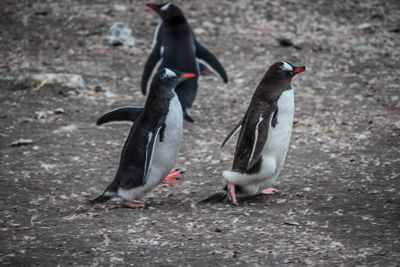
(284, 72)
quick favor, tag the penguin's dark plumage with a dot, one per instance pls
(153, 142)
(175, 46)
(264, 134)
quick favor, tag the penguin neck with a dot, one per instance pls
(175, 20)
(158, 100)
(161, 91)
(271, 90)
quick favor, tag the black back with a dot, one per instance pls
(178, 42)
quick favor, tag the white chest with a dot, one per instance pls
(165, 152)
(279, 137)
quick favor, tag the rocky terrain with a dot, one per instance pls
(338, 201)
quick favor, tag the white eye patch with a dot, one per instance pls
(168, 73)
(165, 7)
(286, 66)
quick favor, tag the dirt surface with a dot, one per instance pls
(339, 190)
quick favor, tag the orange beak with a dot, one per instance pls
(185, 76)
(151, 6)
(300, 69)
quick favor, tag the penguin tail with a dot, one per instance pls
(219, 196)
(187, 117)
(107, 195)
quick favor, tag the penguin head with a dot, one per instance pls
(168, 11)
(282, 72)
(171, 77)
(278, 78)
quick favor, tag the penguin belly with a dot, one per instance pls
(165, 153)
(273, 154)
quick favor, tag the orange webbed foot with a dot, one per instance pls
(269, 191)
(232, 193)
(130, 204)
(172, 176)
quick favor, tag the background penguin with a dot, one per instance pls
(175, 46)
(264, 136)
(153, 143)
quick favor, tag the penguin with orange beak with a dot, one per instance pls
(153, 143)
(175, 46)
(264, 137)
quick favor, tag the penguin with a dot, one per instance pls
(131, 113)
(264, 136)
(154, 140)
(175, 46)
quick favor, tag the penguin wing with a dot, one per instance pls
(205, 57)
(142, 172)
(120, 114)
(152, 138)
(152, 64)
(232, 133)
(261, 135)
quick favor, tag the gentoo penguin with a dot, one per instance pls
(264, 136)
(175, 46)
(153, 143)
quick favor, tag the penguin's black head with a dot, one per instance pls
(284, 70)
(168, 12)
(277, 79)
(171, 77)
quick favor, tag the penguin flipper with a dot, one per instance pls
(152, 64)
(120, 114)
(205, 57)
(137, 174)
(261, 135)
(152, 137)
(232, 133)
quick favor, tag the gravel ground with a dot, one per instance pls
(339, 190)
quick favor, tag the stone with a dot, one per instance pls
(120, 34)
(74, 81)
(22, 142)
